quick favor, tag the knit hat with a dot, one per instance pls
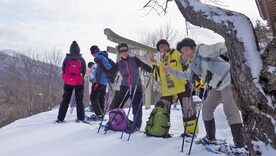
(90, 64)
(74, 48)
(162, 41)
(94, 49)
(186, 42)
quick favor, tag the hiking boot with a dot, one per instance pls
(237, 135)
(207, 141)
(210, 128)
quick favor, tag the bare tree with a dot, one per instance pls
(254, 97)
(31, 84)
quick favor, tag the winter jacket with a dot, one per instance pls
(99, 75)
(129, 70)
(174, 62)
(74, 56)
(206, 57)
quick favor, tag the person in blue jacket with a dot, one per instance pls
(100, 82)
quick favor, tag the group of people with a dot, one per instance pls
(176, 71)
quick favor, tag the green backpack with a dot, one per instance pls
(158, 124)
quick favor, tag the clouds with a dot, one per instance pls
(56, 23)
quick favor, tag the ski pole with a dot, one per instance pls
(208, 77)
(132, 99)
(117, 111)
(105, 110)
(186, 123)
(140, 104)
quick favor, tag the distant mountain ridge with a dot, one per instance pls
(27, 86)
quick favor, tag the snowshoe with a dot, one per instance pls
(207, 141)
(233, 151)
(95, 117)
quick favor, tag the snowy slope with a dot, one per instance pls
(38, 135)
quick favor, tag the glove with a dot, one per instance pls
(208, 77)
(97, 60)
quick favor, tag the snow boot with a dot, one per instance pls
(237, 135)
(210, 129)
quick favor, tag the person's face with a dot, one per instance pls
(94, 54)
(163, 48)
(123, 51)
(187, 52)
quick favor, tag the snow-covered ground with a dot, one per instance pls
(39, 136)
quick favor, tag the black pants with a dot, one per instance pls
(97, 98)
(122, 97)
(79, 91)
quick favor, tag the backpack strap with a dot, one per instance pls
(223, 77)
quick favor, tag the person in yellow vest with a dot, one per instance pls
(171, 85)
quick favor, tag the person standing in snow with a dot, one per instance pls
(172, 86)
(206, 58)
(128, 67)
(98, 92)
(90, 76)
(73, 71)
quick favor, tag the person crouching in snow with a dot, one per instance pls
(206, 58)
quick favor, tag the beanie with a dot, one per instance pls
(162, 41)
(122, 45)
(74, 48)
(186, 42)
(94, 49)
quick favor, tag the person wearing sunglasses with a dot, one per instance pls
(128, 67)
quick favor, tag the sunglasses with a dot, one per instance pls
(123, 50)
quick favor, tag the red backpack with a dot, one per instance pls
(72, 75)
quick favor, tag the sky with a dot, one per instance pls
(38, 135)
(53, 24)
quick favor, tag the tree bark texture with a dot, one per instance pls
(258, 115)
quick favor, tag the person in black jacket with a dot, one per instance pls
(128, 67)
(72, 82)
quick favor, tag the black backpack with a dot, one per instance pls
(111, 78)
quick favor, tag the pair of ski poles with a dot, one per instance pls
(207, 80)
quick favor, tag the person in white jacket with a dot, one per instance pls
(203, 59)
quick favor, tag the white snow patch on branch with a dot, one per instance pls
(272, 70)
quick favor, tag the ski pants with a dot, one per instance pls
(214, 98)
(79, 92)
(97, 98)
(123, 95)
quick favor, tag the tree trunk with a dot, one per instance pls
(255, 103)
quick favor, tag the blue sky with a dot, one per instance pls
(43, 25)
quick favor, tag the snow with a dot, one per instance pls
(38, 135)
(272, 70)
